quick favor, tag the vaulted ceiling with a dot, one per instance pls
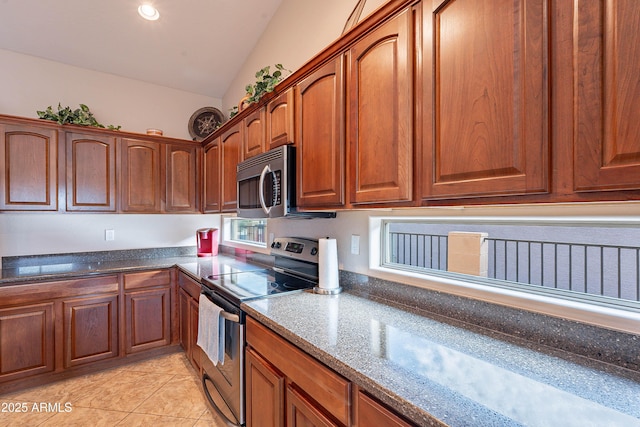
(196, 45)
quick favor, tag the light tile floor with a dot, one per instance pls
(164, 391)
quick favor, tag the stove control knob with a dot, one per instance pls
(314, 251)
(273, 244)
(276, 245)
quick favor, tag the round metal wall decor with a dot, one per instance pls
(204, 121)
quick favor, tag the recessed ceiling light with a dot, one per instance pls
(148, 12)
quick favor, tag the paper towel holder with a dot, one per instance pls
(324, 291)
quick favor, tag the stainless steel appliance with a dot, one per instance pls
(267, 186)
(295, 268)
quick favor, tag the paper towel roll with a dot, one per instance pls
(328, 264)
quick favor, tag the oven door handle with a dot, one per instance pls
(230, 316)
(224, 314)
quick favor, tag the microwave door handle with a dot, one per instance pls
(265, 171)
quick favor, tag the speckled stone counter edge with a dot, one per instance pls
(576, 339)
(100, 256)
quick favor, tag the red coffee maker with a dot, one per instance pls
(207, 239)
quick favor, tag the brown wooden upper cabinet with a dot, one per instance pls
(212, 175)
(91, 172)
(380, 137)
(320, 115)
(181, 169)
(231, 155)
(485, 107)
(254, 134)
(607, 133)
(29, 167)
(140, 183)
(280, 120)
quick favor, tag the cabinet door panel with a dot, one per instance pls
(26, 341)
(91, 330)
(607, 137)
(231, 155)
(280, 119)
(181, 175)
(490, 96)
(140, 176)
(254, 133)
(212, 177)
(265, 393)
(91, 173)
(147, 319)
(320, 137)
(380, 128)
(369, 413)
(29, 168)
(303, 413)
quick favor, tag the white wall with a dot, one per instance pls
(29, 84)
(298, 31)
(51, 233)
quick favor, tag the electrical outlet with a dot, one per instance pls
(109, 235)
(355, 244)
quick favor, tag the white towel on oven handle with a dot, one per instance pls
(211, 330)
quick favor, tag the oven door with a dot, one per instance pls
(223, 383)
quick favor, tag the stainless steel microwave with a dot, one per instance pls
(267, 186)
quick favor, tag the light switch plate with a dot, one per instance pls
(355, 244)
(109, 235)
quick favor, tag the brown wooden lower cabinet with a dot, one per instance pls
(287, 387)
(26, 341)
(315, 395)
(265, 392)
(147, 311)
(188, 304)
(47, 328)
(90, 329)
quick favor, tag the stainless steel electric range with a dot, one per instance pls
(295, 269)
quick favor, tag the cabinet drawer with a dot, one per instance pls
(47, 291)
(323, 385)
(189, 285)
(147, 279)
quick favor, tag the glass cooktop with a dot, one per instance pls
(246, 285)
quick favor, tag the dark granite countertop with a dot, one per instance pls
(66, 266)
(438, 373)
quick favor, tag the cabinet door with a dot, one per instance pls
(91, 173)
(188, 326)
(371, 413)
(381, 114)
(264, 393)
(184, 321)
(181, 163)
(148, 319)
(29, 168)
(280, 120)
(320, 137)
(488, 131)
(195, 352)
(254, 133)
(231, 155)
(607, 60)
(26, 341)
(301, 412)
(90, 330)
(140, 176)
(212, 177)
